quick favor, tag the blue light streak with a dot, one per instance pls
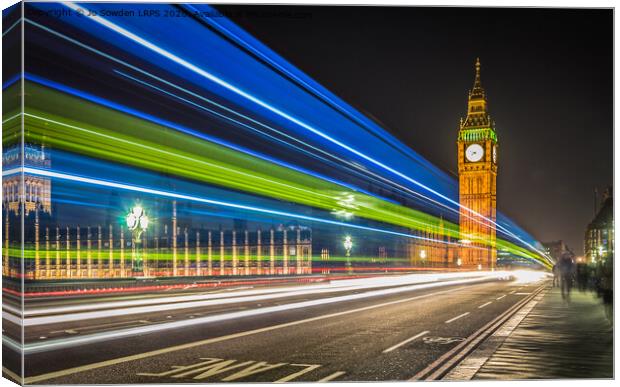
(227, 85)
(233, 33)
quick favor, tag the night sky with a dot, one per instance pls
(547, 75)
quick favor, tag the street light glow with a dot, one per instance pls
(348, 244)
(137, 218)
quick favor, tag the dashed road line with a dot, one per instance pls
(406, 341)
(500, 297)
(331, 377)
(307, 368)
(457, 317)
(485, 304)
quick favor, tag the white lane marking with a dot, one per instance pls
(485, 304)
(307, 368)
(522, 294)
(457, 317)
(120, 360)
(500, 297)
(513, 292)
(331, 377)
(406, 341)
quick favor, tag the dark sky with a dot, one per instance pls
(547, 74)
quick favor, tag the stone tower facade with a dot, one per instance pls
(477, 148)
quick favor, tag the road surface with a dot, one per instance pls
(371, 330)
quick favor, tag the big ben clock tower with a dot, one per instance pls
(477, 160)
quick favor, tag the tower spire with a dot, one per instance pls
(477, 91)
(477, 110)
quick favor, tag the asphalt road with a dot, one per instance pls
(390, 336)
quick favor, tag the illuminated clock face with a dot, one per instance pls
(474, 153)
(495, 154)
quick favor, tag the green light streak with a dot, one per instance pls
(75, 125)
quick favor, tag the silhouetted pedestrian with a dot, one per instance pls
(567, 270)
(556, 275)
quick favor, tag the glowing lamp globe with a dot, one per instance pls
(144, 222)
(137, 211)
(132, 221)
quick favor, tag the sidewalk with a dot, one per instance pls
(547, 339)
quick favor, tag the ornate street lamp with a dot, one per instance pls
(137, 223)
(348, 245)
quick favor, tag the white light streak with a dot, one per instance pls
(103, 336)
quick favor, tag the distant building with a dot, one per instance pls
(599, 238)
(434, 248)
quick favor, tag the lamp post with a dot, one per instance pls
(348, 245)
(137, 223)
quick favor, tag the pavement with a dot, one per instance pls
(549, 338)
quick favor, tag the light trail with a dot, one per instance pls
(397, 186)
(68, 342)
(62, 314)
(391, 214)
(41, 172)
(169, 125)
(180, 155)
(354, 167)
(151, 46)
(185, 164)
(97, 182)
